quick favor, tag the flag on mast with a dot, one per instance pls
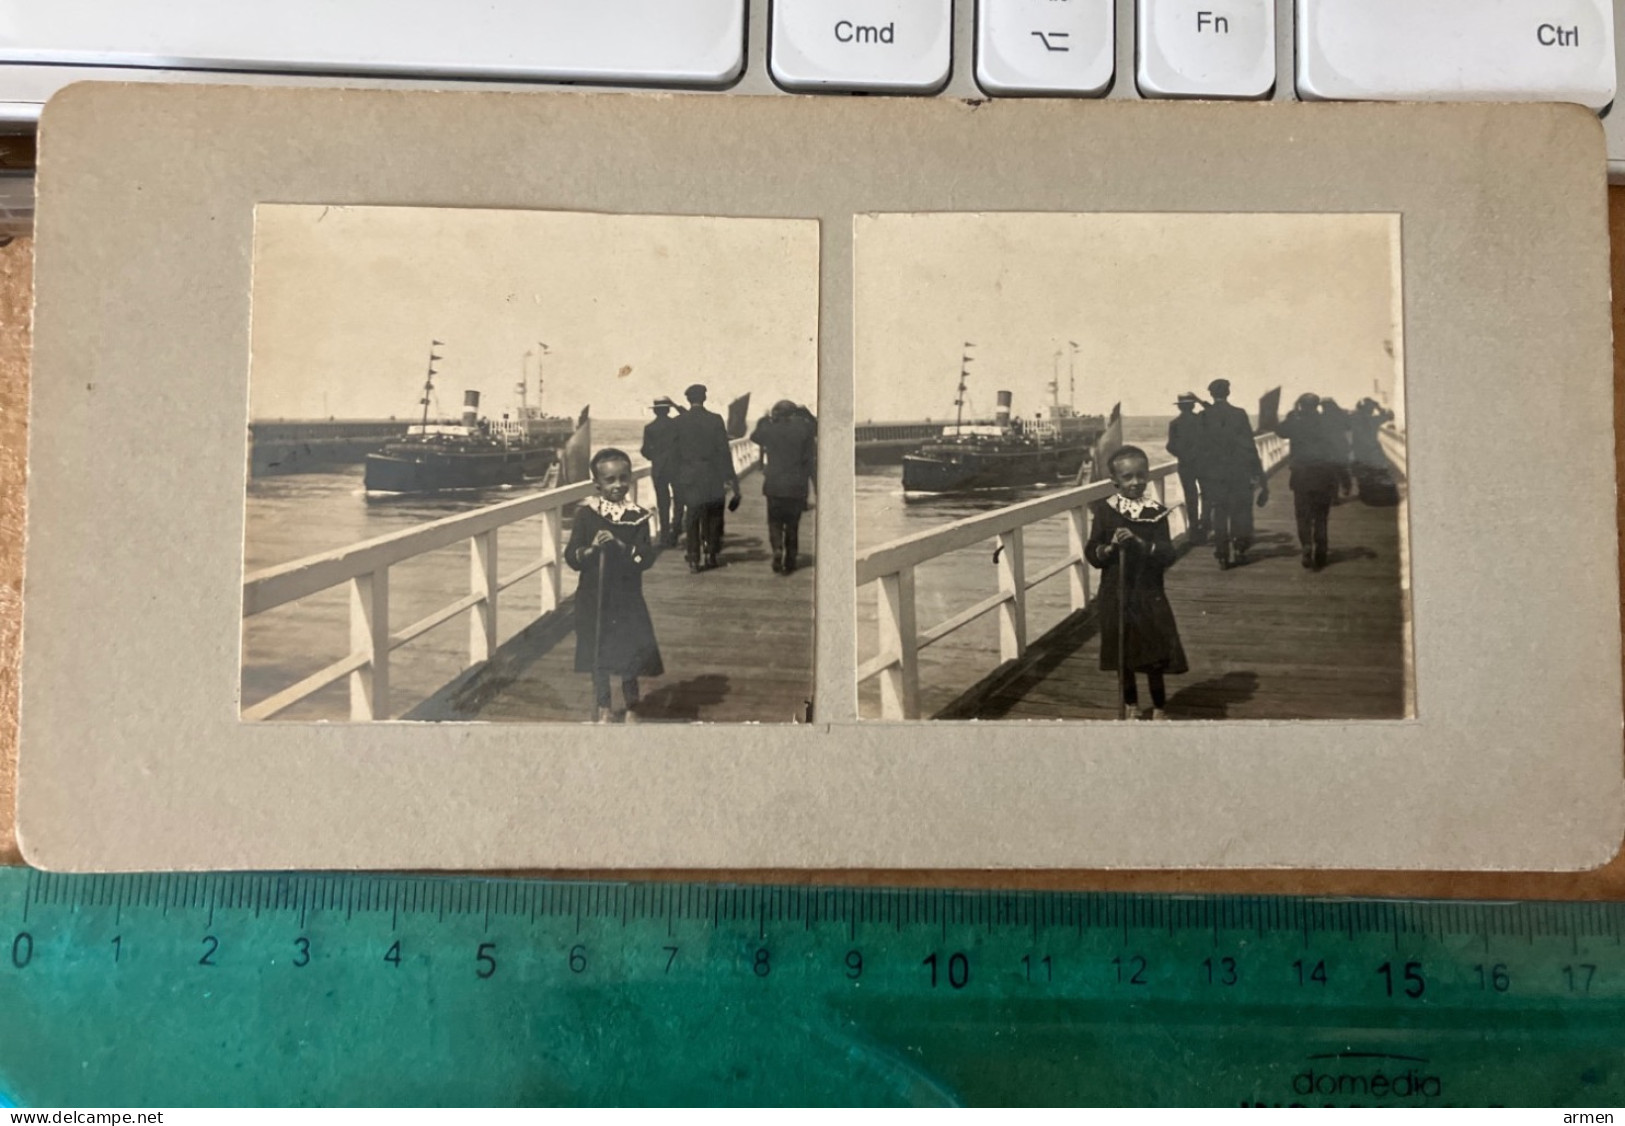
(1269, 411)
(738, 420)
(576, 457)
(1109, 442)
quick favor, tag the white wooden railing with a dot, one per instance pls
(892, 566)
(365, 567)
(1393, 444)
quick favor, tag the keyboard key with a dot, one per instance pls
(1460, 50)
(898, 46)
(669, 42)
(1045, 47)
(1206, 48)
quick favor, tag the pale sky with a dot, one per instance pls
(347, 299)
(1157, 304)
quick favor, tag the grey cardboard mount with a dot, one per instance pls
(132, 755)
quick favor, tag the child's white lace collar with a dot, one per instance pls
(1145, 508)
(614, 513)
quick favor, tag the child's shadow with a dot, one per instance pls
(682, 702)
(1213, 699)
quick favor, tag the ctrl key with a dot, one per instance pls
(890, 46)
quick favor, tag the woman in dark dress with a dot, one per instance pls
(1130, 543)
(610, 545)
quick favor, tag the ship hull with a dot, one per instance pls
(404, 470)
(951, 471)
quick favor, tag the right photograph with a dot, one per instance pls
(1131, 466)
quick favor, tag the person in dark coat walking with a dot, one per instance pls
(1233, 471)
(660, 450)
(1365, 427)
(1372, 470)
(1339, 430)
(1130, 543)
(789, 441)
(1187, 442)
(610, 546)
(705, 478)
(1318, 471)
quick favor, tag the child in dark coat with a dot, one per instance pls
(610, 545)
(1130, 543)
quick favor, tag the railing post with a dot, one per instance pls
(551, 521)
(482, 580)
(899, 683)
(1077, 535)
(1013, 584)
(369, 634)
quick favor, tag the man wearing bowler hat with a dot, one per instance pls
(705, 478)
(1187, 441)
(660, 448)
(1233, 469)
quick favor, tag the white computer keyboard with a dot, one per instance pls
(1551, 50)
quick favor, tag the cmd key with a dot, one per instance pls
(887, 46)
(630, 42)
(1462, 50)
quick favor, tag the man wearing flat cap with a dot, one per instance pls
(1233, 471)
(1187, 441)
(705, 478)
(660, 448)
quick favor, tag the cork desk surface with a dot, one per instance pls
(1605, 883)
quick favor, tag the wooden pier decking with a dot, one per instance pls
(737, 643)
(1268, 640)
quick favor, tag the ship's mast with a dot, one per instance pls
(541, 353)
(1072, 377)
(959, 399)
(428, 380)
(1055, 381)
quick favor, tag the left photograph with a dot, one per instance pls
(530, 467)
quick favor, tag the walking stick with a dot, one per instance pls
(1122, 617)
(598, 617)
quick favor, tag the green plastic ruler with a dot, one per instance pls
(337, 989)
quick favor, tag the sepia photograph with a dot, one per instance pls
(511, 466)
(1130, 467)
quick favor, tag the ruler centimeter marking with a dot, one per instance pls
(443, 989)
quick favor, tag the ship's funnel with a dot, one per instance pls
(471, 409)
(1002, 415)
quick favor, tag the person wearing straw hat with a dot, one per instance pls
(1234, 470)
(1187, 442)
(660, 450)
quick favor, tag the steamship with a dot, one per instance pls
(471, 453)
(1006, 453)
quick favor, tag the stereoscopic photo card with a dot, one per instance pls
(527, 467)
(1132, 465)
(569, 481)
